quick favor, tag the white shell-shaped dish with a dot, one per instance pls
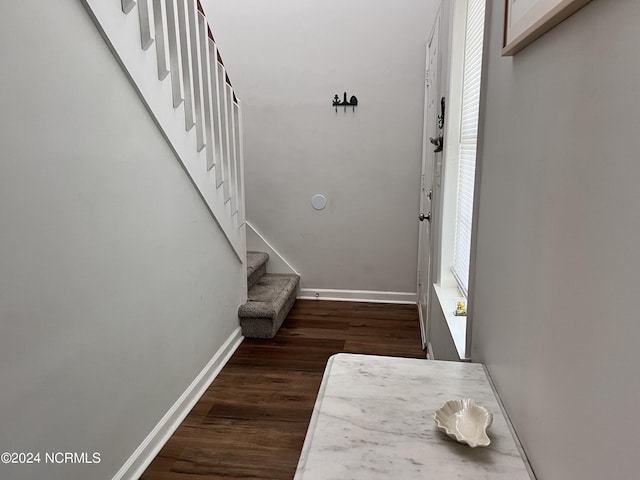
(465, 421)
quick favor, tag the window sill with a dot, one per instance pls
(457, 324)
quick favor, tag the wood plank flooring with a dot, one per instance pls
(252, 420)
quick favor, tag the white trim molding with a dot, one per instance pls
(135, 466)
(423, 332)
(357, 296)
(277, 263)
(429, 351)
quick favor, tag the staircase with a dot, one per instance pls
(270, 298)
(167, 49)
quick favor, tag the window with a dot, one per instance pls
(474, 33)
(463, 67)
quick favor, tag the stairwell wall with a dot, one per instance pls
(116, 285)
(289, 59)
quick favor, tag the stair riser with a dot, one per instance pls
(267, 327)
(256, 275)
(268, 305)
(256, 267)
(257, 327)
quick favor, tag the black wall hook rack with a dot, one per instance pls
(353, 101)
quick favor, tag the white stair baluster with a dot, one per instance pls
(175, 55)
(232, 151)
(185, 42)
(215, 104)
(127, 5)
(196, 72)
(224, 128)
(145, 11)
(206, 90)
(240, 137)
(237, 136)
(162, 44)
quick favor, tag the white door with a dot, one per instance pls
(431, 131)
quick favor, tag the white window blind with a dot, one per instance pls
(468, 139)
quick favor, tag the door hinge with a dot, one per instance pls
(427, 78)
(422, 182)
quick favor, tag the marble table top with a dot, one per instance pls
(373, 419)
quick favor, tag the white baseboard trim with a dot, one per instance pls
(357, 296)
(429, 351)
(135, 466)
(423, 333)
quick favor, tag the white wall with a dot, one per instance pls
(116, 285)
(556, 281)
(288, 59)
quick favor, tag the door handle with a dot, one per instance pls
(422, 217)
(437, 142)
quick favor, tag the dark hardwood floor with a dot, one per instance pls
(252, 420)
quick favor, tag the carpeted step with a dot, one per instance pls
(270, 300)
(256, 267)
